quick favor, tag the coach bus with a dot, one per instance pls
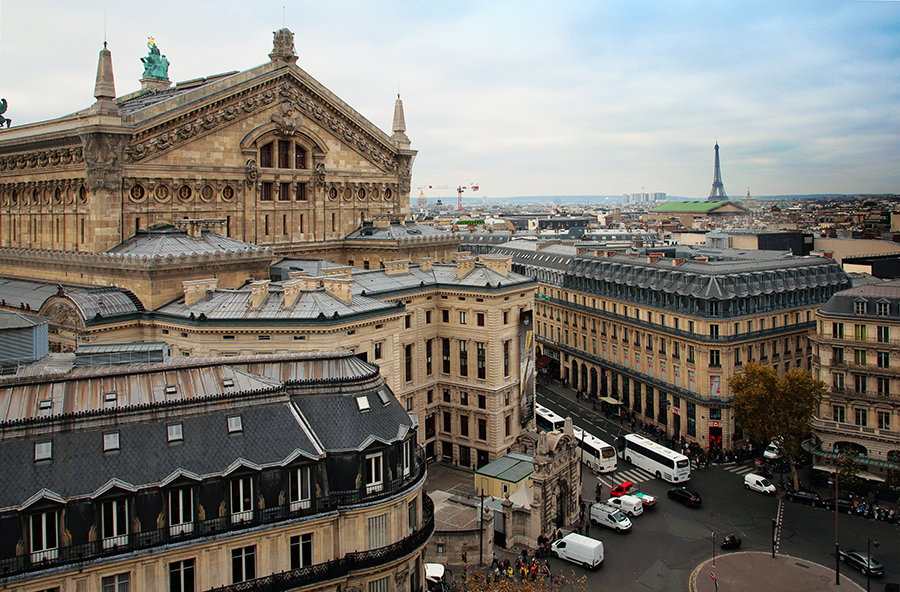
(547, 420)
(642, 452)
(595, 453)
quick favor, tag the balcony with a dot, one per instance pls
(850, 429)
(339, 568)
(201, 529)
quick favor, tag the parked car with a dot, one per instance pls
(579, 549)
(862, 561)
(629, 488)
(611, 517)
(758, 483)
(437, 577)
(628, 504)
(844, 505)
(686, 496)
(772, 452)
(803, 496)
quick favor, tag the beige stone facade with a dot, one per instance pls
(857, 354)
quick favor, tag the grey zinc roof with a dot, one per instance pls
(160, 242)
(271, 434)
(88, 300)
(376, 282)
(15, 320)
(842, 303)
(310, 305)
(395, 231)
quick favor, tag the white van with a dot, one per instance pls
(772, 451)
(579, 549)
(758, 483)
(437, 577)
(633, 506)
(606, 515)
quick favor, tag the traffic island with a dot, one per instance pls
(760, 572)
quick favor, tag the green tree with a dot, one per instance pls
(848, 471)
(478, 581)
(773, 408)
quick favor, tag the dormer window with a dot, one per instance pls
(110, 400)
(235, 426)
(114, 523)
(882, 308)
(44, 535)
(174, 433)
(171, 389)
(111, 442)
(43, 451)
(859, 307)
(363, 403)
(228, 383)
(374, 473)
(384, 396)
(45, 407)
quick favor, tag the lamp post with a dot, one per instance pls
(714, 547)
(869, 560)
(837, 548)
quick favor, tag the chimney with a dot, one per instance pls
(292, 291)
(195, 290)
(498, 263)
(340, 287)
(260, 289)
(338, 272)
(396, 267)
(425, 263)
(464, 265)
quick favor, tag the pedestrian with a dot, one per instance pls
(587, 529)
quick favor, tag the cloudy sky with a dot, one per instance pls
(531, 98)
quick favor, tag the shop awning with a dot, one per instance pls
(610, 400)
(862, 474)
(543, 362)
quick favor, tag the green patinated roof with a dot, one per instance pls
(513, 468)
(688, 206)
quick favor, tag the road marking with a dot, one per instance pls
(739, 469)
(635, 475)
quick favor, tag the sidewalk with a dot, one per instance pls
(759, 572)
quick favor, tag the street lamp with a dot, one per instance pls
(869, 560)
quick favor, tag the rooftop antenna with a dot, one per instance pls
(282, 16)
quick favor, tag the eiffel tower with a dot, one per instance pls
(718, 190)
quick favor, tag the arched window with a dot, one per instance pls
(265, 156)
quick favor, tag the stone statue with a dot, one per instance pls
(3, 120)
(155, 64)
(283, 46)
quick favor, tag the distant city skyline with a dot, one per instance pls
(527, 99)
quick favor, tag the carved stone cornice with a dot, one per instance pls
(287, 88)
(42, 159)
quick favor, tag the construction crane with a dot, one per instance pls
(459, 191)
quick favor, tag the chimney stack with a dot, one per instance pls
(396, 267)
(260, 289)
(195, 290)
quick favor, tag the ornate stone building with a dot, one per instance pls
(857, 353)
(277, 472)
(271, 152)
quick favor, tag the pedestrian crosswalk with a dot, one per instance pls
(739, 469)
(634, 474)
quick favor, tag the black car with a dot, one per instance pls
(864, 562)
(804, 497)
(844, 505)
(686, 496)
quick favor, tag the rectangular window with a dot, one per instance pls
(376, 528)
(265, 156)
(838, 381)
(242, 500)
(408, 358)
(43, 451)
(445, 316)
(378, 349)
(838, 413)
(884, 334)
(881, 309)
(714, 358)
(44, 536)
(859, 307)
(859, 332)
(117, 583)
(111, 442)
(481, 359)
(884, 360)
(479, 317)
(412, 516)
(181, 511)
(301, 194)
(464, 426)
(464, 399)
(284, 154)
(265, 193)
(114, 520)
(884, 420)
(691, 419)
(690, 354)
(243, 564)
(299, 488)
(482, 402)
(448, 423)
(445, 352)
(427, 317)
(462, 317)
(380, 585)
(837, 355)
(482, 429)
(301, 551)
(861, 417)
(284, 193)
(374, 473)
(428, 355)
(463, 358)
(506, 358)
(181, 576)
(860, 383)
(837, 330)
(859, 357)
(884, 386)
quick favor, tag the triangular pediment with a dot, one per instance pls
(285, 99)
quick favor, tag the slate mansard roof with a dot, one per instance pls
(844, 303)
(317, 411)
(701, 272)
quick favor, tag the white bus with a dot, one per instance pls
(547, 420)
(666, 464)
(595, 453)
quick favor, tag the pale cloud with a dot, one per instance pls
(581, 97)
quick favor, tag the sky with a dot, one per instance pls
(572, 97)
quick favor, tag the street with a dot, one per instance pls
(670, 540)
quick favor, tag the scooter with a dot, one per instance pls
(731, 541)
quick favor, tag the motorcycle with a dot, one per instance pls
(731, 541)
